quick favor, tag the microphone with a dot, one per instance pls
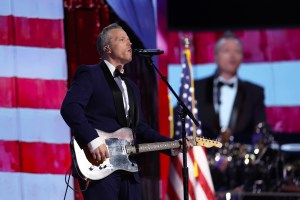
(147, 52)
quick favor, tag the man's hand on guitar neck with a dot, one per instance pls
(175, 152)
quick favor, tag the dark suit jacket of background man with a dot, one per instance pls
(248, 109)
(93, 107)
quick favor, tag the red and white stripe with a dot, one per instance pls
(34, 140)
(200, 186)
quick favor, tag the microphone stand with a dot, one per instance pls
(183, 113)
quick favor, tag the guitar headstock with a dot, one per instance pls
(207, 142)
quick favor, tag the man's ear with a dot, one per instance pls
(106, 49)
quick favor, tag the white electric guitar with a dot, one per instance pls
(120, 147)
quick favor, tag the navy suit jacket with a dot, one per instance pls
(89, 105)
(248, 110)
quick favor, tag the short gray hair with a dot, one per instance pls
(226, 35)
(103, 38)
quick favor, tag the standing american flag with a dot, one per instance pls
(200, 182)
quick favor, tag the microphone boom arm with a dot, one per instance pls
(164, 78)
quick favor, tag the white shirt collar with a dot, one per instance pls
(232, 80)
(110, 67)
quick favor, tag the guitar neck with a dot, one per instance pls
(147, 147)
(158, 146)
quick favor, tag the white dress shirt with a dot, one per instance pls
(227, 98)
(121, 85)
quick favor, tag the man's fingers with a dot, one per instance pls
(96, 156)
(100, 153)
(188, 144)
(106, 154)
(99, 156)
(104, 151)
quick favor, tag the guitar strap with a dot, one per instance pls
(117, 94)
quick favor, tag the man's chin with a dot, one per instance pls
(233, 70)
(127, 60)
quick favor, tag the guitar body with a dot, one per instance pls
(120, 146)
(116, 143)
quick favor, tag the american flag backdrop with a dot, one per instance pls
(34, 140)
(200, 182)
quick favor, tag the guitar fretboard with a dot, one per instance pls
(147, 147)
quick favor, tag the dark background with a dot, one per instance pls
(206, 15)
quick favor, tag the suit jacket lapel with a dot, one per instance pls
(237, 107)
(117, 95)
(133, 109)
(210, 103)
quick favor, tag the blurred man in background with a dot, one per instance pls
(230, 110)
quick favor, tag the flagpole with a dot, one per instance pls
(183, 113)
(185, 169)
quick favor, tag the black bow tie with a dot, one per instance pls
(221, 83)
(118, 73)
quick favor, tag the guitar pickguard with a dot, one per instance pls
(118, 155)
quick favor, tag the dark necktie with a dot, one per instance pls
(221, 83)
(117, 73)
